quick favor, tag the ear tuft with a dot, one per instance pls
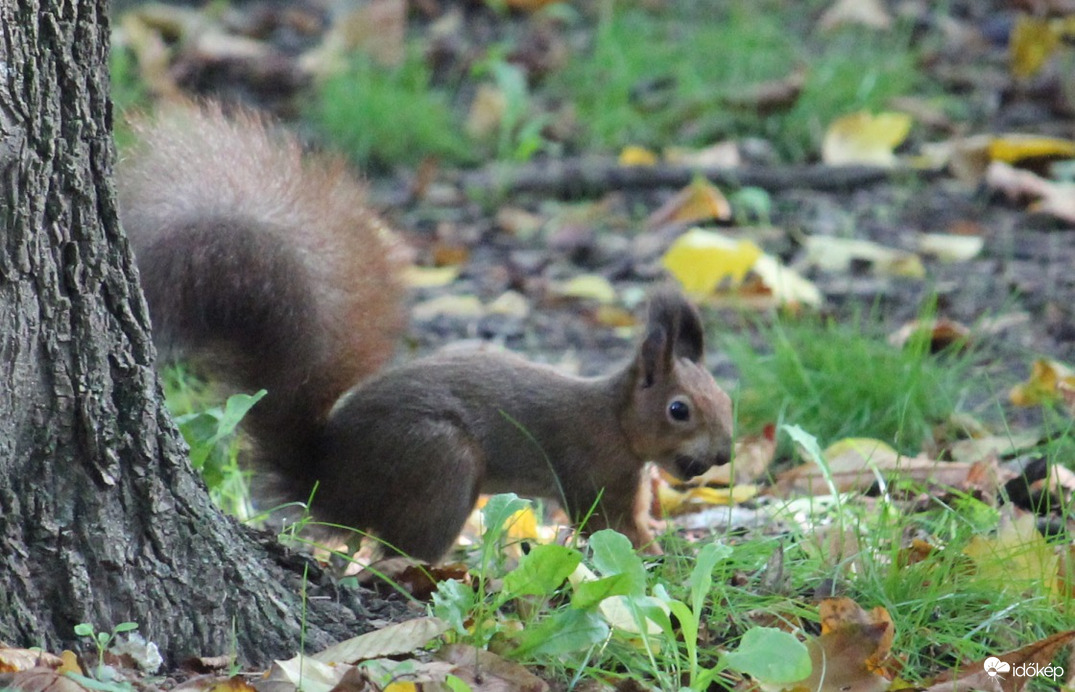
(652, 354)
(671, 310)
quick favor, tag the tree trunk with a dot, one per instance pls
(101, 518)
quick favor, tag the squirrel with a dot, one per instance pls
(264, 266)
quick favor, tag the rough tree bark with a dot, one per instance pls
(101, 518)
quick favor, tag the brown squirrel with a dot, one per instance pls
(267, 268)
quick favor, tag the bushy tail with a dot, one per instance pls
(262, 266)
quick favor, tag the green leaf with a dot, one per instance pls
(614, 554)
(567, 631)
(497, 512)
(702, 574)
(84, 629)
(125, 627)
(452, 602)
(589, 593)
(541, 571)
(770, 656)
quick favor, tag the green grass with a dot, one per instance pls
(844, 380)
(659, 78)
(385, 116)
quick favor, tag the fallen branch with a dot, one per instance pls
(584, 177)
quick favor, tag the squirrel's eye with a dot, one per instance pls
(679, 411)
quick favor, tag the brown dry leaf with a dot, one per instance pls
(417, 579)
(235, 683)
(865, 138)
(1044, 384)
(992, 446)
(941, 332)
(857, 463)
(851, 649)
(484, 671)
(43, 680)
(976, 676)
(13, 660)
(400, 638)
(770, 97)
(699, 201)
(871, 13)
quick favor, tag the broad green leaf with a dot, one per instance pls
(567, 631)
(542, 570)
(614, 554)
(770, 656)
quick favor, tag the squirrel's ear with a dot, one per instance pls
(654, 357)
(670, 310)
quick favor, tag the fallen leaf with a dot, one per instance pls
(699, 201)
(784, 284)
(865, 138)
(702, 261)
(1032, 41)
(461, 306)
(429, 277)
(949, 247)
(1043, 386)
(637, 156)
(721, 155)
(870, 13)
(832, 254)
(996, 673)
(484, 671)
(399, 638)
(585, 287)
(1013, 148)
(1018, 558)
(940, 332)
(13, 660)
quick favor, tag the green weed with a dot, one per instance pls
(211, 431)
(386, 116)
(845, 380)
(673, 76)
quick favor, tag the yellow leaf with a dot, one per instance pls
(699, 201)
(430, 277)
(401, 686)
(586, 287)
(523, 525)
(1012, 148)
(1033, 40)
(704, 260)
(864, 138)
(637, 156)
(675, 501)
(1018, 558)
(1047, 377)
(830, 253)
(786, 285)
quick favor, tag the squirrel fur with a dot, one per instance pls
(266, 268)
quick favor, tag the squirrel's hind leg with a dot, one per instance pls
(437, 489)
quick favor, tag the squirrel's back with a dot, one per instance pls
(261, 264)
